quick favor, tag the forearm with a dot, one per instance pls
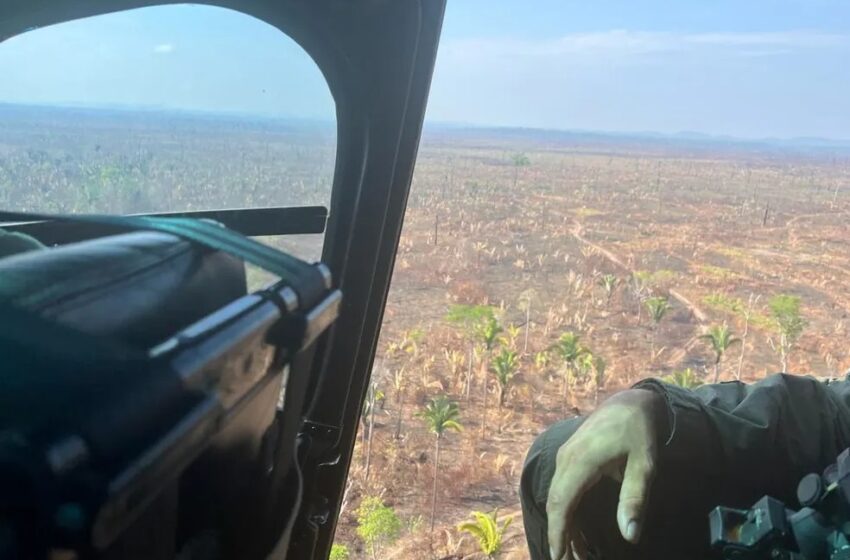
(769, 433)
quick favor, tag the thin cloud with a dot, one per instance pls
(623, 42)
(776, 39)
(164, 48)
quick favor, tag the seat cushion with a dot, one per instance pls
(139, 287)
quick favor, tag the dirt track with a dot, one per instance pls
(614, 259)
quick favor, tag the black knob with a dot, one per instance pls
(809, 490)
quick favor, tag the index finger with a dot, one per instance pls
(570, 482)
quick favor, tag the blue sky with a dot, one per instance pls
(748, 68)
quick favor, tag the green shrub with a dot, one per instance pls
(339, 552)
(377, 524)
(722, 302)
(736, 306)
(785, 310)
(655, 278)
(717, 273)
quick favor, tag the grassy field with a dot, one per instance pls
(525, 239)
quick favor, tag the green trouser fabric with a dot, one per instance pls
(728, 444)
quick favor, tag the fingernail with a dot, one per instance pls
(632, 531)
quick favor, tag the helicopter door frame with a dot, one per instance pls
(378, 59)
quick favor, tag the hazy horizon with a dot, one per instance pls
(769, 69)
(438, 125)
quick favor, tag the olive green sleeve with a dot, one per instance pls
(768, 433)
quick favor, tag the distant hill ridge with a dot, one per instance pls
(685, 141)
(584, 136)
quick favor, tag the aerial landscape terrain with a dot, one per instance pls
(537, 273)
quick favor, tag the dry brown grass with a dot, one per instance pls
(693, 222)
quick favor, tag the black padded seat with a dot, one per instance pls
(139, 287)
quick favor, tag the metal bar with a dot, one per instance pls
(247, 221)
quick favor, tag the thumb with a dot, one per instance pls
(633, 495)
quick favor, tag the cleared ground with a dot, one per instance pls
(526, 222)
(716, 229)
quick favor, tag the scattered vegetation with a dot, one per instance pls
(535, 297)
(609, 283)
(720, 338)
(685, 378)
(733, 253)
(377, 525)
(785, 310)
(658, 308)
(569, 350)
(588, 212)
(486, 529)
(657, 277)
(519, 160)
(477, 322)
(723, 302)
(716, 273)
(599, 368)
(505, 366)
(339, 552)
(441, 415)
(737, 307)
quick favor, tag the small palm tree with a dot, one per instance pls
(609, 283)
(720, 338)
(685, 378)
(441, 415)
(504, 366)
(658, 308)
(569, 350)
(512, 333)
(584, 366)
(486, 529)
(454, 360)
(488, 331)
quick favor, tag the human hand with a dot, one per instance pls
(618, 440)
